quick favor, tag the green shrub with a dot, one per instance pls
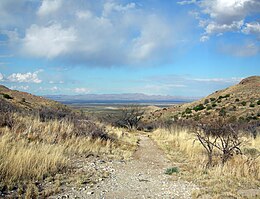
(243, 103)
(258, 102)
(188, 111)
(199, 107)
(252, 105)
(209, 107)
(220, 97)
(227, 95)
(214, 105)
(206, 101)
(212, 99)
(241, 119)
(6, 96)
(222, 112)
(237, 100)
(172, 170)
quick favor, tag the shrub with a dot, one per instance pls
(252, 105)
(222, 111)
(206, 101)
(214, 105)
(209, 107)
(243, 103)
(258, 102)
(6, 96)
(47, 114)
(236, 100)
(212, 99)
(188, 111)
(227, 95)
(172, 170)
(199, 107)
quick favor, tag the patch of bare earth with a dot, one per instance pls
(141, 177)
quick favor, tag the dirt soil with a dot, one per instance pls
(142, 177)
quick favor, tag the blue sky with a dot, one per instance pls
(182, 48)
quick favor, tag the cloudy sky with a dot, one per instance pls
(181, 48)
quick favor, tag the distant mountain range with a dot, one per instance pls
(126, 97)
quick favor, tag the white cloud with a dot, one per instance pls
(187, 2)
(86, 14)
(49, 42)
(25, 77)
(112, 6)
(49, 6)
(226, 12)
(240, 50)
(25, 88)
(54, 88)
(220, 16)
(56, 82)
(81, 90)
(214, 28)
(94, 33)
(252, 28)
(204, 38)
(1, 77)
(217, 80)
(154, 36)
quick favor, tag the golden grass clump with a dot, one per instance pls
(24, 161)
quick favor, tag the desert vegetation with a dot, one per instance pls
(220, 155)
(39, 144)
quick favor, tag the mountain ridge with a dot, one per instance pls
(240, 101)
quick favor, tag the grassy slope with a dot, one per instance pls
(32, 150)
(248, 90)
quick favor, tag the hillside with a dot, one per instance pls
(241, 102)
(27, 101)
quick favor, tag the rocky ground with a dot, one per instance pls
(142, 177)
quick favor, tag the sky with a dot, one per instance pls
(185, 48)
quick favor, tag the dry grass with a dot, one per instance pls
(241, 172)
(33, 150)
(23, 161)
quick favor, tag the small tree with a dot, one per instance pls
(130, 117)
(218, 134)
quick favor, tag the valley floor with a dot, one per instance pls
(142, 177)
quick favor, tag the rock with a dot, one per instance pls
(90, 193)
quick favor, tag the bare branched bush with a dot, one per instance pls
(129, 117)
(6, 114)
(221, 135)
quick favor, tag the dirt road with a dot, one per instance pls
(142, 177)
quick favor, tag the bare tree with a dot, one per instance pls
(221, 135)
(130, 117)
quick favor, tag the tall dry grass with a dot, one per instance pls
(241, 171)
(33, 150)
(21, 160)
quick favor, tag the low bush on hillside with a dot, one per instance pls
(6, 96)
(243, 103)
(199, 107)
